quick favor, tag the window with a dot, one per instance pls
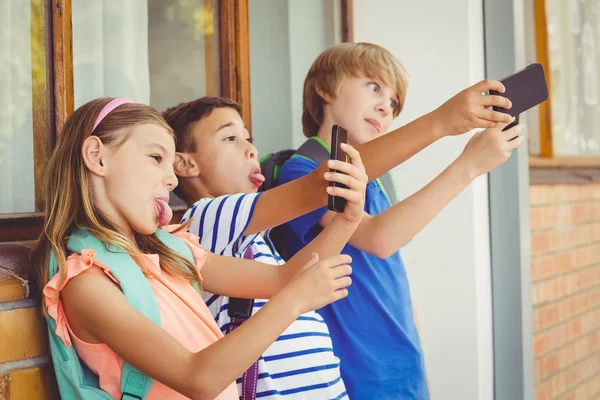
(157, 52)
(567, 47)
(17, 46)
(277, 70)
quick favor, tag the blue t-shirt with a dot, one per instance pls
(373, 329)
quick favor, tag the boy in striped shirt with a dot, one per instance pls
(219, 165)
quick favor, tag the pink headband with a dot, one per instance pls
(111, 105)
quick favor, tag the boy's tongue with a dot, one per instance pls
(258, 177)
(164, 212)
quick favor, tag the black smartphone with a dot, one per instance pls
(339, 135)
(525, 89)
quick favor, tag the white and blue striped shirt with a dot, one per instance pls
(301, 363)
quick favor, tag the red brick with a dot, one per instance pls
(548, 217)
(548, 266)
(571, 355)
(586, 192)
(593, 341)
(559, 384)
(580, 212)
(589, 277)
(549, 366)
(595, 254)
(561, 287)
(566, 310)
(585, 234)
(595, 211)
(548, 316)
(564, 261)
(539, 194)
(574, 329)
(537, 371)
(596, 231)
(540, 344)
(543, 391)
(595, 191)
(563, 214)
(535, 219)
(539, 243)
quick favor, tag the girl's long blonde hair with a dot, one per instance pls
(69, 204)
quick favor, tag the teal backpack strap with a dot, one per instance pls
(386, 183)
(75, 380)
(176, 244)
(137, 291)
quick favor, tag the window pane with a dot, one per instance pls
(157, 52)
(573, 27)
(16, 124)
(279, 62)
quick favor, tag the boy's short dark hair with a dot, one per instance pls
(182, 118)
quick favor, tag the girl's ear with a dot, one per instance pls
(185, 166)
(94, 155)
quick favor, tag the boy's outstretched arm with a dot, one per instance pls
(384, 234)
(236, 277)
(464, 112)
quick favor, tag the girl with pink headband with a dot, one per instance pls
(121, 289)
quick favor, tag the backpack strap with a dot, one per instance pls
(386, 183)
(177, 245)
(75, 380)
(270, 166)
(314, 149)
(239, 310)
(318, 151)
(137, 291)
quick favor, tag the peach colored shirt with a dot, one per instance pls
(183, 315)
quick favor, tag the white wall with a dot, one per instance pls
(441, 45)
(285, 38)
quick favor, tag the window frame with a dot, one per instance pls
(546, 168)
(53, 92)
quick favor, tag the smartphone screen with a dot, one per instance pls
(339, 135)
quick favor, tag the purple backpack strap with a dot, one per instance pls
(239, 311)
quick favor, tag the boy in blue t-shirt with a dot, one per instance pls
(362, 87)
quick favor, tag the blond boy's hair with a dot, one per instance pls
(343, 60)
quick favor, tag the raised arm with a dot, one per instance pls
(386, 233)
(236, 277)
(464, 112)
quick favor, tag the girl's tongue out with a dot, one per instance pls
(164, 212)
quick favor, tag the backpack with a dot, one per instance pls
(75, 379)
(316, 150)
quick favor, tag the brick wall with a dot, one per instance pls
(565, 248)
(25, 368)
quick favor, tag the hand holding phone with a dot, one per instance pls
(339, 135)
